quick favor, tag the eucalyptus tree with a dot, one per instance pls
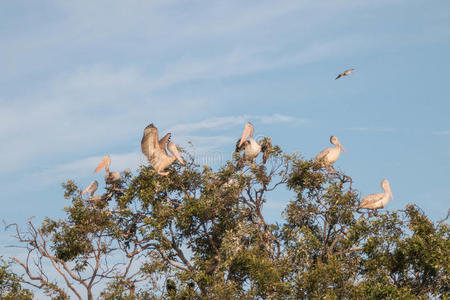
(199, 233)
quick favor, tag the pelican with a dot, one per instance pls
(376, 201)
(92, 188)
(330, 155)
(345, 73)
(155, 150)
(100, 201)
(252, 147)
(110, 177)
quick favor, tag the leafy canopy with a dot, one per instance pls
(201, 234)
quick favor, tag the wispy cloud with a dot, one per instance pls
(370, 129)
(227, 122)
(202, 147)
(83, 168)
(441, 132)
(89, 109)
(94, 101)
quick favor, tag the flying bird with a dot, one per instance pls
(110, 177)
(345, 73)
(376, 201)
(92, 188)
(156, 152)
(330, 155)
(251, 147)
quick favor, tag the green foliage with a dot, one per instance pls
(11, 284)
(201, 234)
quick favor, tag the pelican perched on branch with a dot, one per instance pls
(100, 201)
(92, 188)
(330, 155)
(155, 150)
(376, 201)
(110, 177)
(345, 73)
(252, 147)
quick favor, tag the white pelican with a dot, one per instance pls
(92, 188)
(110, 177)
(155, 150)
(345, 73)
(376, 201)
(330, 155)
(252, 147)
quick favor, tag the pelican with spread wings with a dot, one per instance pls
(345, 73)
(376, 201)
(155, 150)
(110, 177)
(329, 156)
(251, 147)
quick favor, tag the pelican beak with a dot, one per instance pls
(104, 163)
(390, 194)
(342, 147)
(245, 134)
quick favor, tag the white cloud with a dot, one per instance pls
(92, 108)
(370, 129)
(205, 149)
(84, 168)
(441, 132)
(227, 122)
(96, 101)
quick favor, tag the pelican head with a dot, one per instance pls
(149, 128)
(248, 132)
(334, 140)
(385, 186)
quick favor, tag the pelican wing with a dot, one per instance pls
(149, 142)
(106, 161)
(239, 147)
(323, 154)
(348, 72)
(248, 131)
(163, 142)
(92, 187)
(173, 149)
(370, 200)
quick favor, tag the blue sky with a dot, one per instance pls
(81, 79)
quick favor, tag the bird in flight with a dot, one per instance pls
(345, 73)
(329, 156)
(376, 201)
(156, 152)
(251, 147)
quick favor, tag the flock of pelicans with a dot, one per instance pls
(157, 152)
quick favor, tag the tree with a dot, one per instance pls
(201, 234)
(11, 284)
